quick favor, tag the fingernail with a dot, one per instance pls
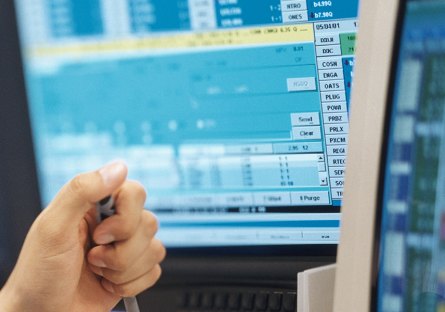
(107, 285)
(96, 262)
(104, 239)
(111, 172)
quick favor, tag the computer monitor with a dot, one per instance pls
(232, 114)
(391, 246)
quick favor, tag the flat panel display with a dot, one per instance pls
(412, 244)
(233, 114)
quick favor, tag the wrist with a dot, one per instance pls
(9, 299)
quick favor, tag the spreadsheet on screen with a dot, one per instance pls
(233, 115)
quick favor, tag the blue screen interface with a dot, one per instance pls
(233, 114)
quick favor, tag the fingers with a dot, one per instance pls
(129, 203)
(139, 275)
(119, 255)
(79, 195)
(129, 265)
(135, 287)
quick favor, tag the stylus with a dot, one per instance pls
(104, 209)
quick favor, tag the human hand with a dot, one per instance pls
(67, 262)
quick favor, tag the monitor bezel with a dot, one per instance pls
(384, 153)
(374, 64)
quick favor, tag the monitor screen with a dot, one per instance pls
(232, 114)
(412, 245)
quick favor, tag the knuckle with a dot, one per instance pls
(150, 222)
(136, 190)
(140, 191)
(77, 185)
(159, 250)
(155, 275)
(80, 186)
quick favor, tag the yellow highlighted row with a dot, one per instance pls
(294, 33)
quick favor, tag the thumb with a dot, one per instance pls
(80, 194)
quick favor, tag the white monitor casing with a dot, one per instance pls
(374, 56)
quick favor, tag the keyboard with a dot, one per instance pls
(237, 301)
(216, 298)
